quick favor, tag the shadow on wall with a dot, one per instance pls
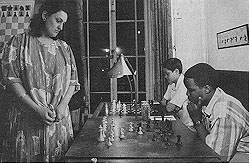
(235, 83)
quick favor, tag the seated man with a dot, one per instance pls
(219, 119)
(175, 98)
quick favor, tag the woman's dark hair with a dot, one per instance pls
(51, 6)
(172, 64)
(203, 74)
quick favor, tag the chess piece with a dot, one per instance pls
(118, 108)
(124, 109)
(154, 137)
(120, 113)
(140, 132)
(178, 140)
(121, 133)
(101, 137)
(148, 125)
(104, 124)
(109, 143)
(130, 127)
(112, 123)
(112, 136)
(103, 133)
(94, 160)
(139, 125)
(167, 143)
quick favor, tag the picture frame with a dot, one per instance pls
(234, 37)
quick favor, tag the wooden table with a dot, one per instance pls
(138, 148)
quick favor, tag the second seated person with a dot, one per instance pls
(175, 98)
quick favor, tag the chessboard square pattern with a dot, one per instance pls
(14, 26)
(2, 31)
(7, 32)
(8, 25)
(15, 19)
(14, 31)
(20, 25)
(26, 19)
(3, 19)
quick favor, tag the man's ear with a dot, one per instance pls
(176, 71)
(207, 89)
(44, 15)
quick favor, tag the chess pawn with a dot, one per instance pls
(94, 160)
(104, 127)
(101, 137)
(178, 140)
(140, 132)
(103, 133)
(118, 108)
(109, 143)
(124, 109)
(121, 133)
(112, 137)
(112, 123)
(130, 127)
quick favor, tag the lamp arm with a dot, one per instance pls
(135, 84)
(129, 80)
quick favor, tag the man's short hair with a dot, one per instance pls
(172, 64)
(203, 74)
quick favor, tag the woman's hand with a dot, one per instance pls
(47, 116)
(60, 112)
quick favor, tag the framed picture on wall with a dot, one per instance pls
(237, 36)
(14, 18)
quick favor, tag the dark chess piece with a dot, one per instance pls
(179, 143)
(167, 142)
(154, 137)
(139, 125)
(155, 122)
(120, 113)
(162, 118)
(148, 125)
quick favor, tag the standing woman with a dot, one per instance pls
(40, 71)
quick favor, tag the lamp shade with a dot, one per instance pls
(119, 69)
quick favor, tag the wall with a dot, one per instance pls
(196, 23)
(223, 15)
(189, 31)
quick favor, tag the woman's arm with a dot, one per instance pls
(61, 108)
(44, 113)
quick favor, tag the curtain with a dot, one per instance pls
(74, 35)
(161, 31)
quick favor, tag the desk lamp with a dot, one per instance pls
(120, 69)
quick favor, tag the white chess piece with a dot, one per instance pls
(112, 136)
(104, 126)
(118, 108)
(140, 132)
(101, 137)
(124, 109)
(103, 133)
(130, 127)
(121, 136)
(94, 160)
(109, 143)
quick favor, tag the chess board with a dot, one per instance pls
(14, 19)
